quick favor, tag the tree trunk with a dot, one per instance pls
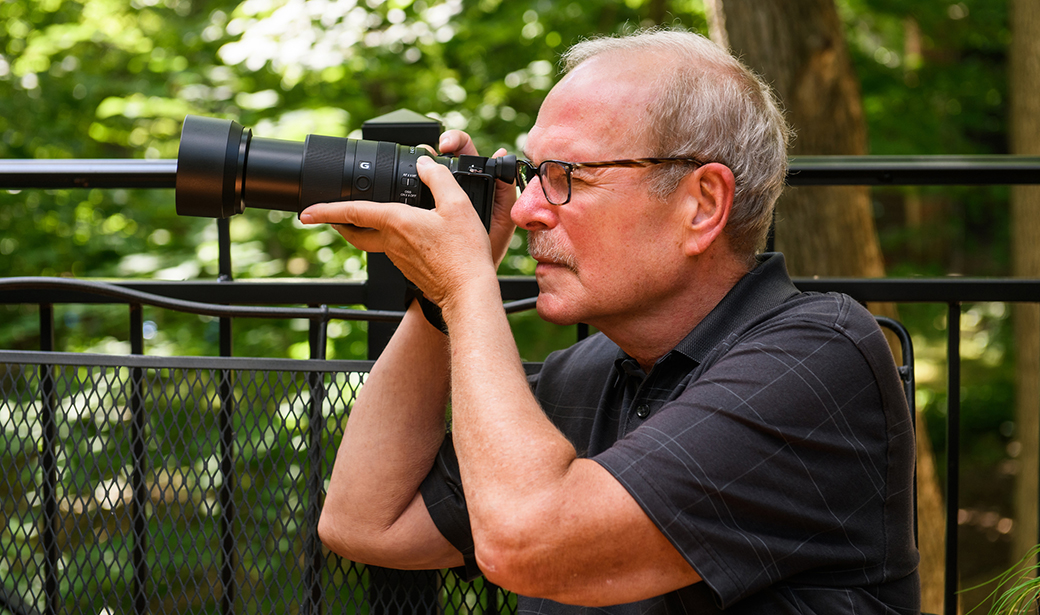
(799, 47)
(1024, 131)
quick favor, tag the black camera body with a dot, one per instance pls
(222, 169)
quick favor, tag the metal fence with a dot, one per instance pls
(137, 484)
(169, 485)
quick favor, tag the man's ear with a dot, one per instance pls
(708, 193)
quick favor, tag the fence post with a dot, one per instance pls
(226, 418)
(314, 557)
(49, 463)
(386, 288)
(139, 453)
(953, 439)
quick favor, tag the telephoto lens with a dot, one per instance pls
(222, 169)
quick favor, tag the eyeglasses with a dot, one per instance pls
(555, 175)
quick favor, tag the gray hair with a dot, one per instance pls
(710, 107)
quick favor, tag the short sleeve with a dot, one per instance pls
(446, 502)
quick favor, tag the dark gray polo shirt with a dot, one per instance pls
(773, 447)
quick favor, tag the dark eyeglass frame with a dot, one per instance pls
(530, 168)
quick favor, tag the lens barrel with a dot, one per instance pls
(222, 169)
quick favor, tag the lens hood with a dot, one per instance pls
(211, 167)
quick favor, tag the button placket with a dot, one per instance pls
(634, 379)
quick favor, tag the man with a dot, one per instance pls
(725, 442)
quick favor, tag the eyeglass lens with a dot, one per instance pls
(554, 177)
(557, 180)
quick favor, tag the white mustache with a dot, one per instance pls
(544, 246)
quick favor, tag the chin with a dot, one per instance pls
(552, 310)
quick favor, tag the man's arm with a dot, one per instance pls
(545, 523)
(373, 512)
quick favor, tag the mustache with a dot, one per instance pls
(545, 246)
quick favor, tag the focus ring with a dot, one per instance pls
(321, 177)
(386, 158)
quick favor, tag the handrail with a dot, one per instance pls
(125, 293)
(520, 292)
(87, 173)
(803, 171)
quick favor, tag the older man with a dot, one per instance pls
(725, 442)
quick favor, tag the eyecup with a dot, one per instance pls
(211, 167)
(505, 168)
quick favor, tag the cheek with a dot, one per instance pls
(634, 239)
(643, 257)
(636, 236)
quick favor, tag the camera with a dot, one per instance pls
(222, 169)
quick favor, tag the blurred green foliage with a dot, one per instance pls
(107, 78)
(111, 79)
(934, 81)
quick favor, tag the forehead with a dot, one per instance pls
(594, 113)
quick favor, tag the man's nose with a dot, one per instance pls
(532, 211)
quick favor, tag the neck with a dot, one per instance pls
(657, 330)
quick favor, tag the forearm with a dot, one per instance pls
(511, 456)
(392, 435)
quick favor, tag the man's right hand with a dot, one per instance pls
(458, 143)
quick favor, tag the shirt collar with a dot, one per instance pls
(763, 288)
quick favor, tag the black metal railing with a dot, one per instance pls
(102, 514)
(158, 485)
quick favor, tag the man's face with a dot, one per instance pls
(613, 252)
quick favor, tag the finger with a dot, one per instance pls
(361, 223)
(446, 191)
(364, 239)
(458, 143)
(363, 214)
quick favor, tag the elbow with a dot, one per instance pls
(340, 535)
(517, 558)
(362, 541)
(517, 573)
(505, 568)
(331, 534)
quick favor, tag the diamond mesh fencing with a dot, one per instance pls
(186, 485)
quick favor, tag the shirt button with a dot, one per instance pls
(642, 411)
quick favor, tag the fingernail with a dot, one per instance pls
(423, 160)
(306, 218)
(442, 142)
